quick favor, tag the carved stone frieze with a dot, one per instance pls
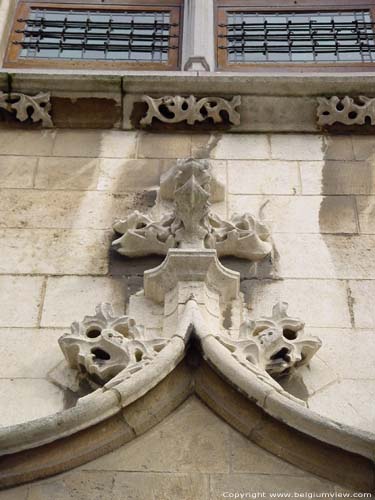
(347, 110)
(276, 344)
(176, 109)
(104, 345)
(192, 224)
(35, 107)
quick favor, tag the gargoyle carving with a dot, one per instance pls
(35, 107)
(176, 109)
(277, 344)
(103, 345)
(191, 224)
(347, 110)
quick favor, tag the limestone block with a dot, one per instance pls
(67, 173)
(362, 293)
(19, 493)
(194, 440)
(297, 147)
(29, 142)
(28, 399)
(242, 147)
(364, 147)
(263, 177)
(95, 144)
(60, 209)
(366, 214)
(79, 295)
(326, 256)
(119, 175)
(337, 177)
(17, 172)
(349, 402)
(321, 303)
(21, 299)
(97, 485)
(230, 484)
(346, 110)
(300, 214)
(28, 353)
(54, 251)
(248, 458)
(339, 147)
(164, 145)
(356, 346)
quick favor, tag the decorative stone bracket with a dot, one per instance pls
(346, 110)
(35, 107)
(176, 109)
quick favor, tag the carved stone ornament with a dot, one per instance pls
(35, 107)
(176, 109)
(277, 344)
(347, 110)
(103, 345)
(192, 224)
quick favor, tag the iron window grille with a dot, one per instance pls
(284, 37)
(89, 36)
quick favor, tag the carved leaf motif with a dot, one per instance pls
(276, 344)
(176, 109)
(104, 345)
(347, 110)
(35, 107)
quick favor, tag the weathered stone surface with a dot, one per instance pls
(95, 144)
(263, 177)
(362, 293)
(326, 256)
(330, 311)
(97, 485)
(163, 145)
(66, 210)
(348, 401)
(69, 174)
(19, 493)
(337, 177)
(354, 346)
(17, 172)
(25, 107)
(28, 353)
(297, 147)
(191, 443)
(346, 110)
(366, 214)
(39, 398)
(21, 298)
(242, 147)
(247, 484)
(28, 142)
(300, 214)
(339, 147)
(56, 251)
(364, 147)
(69, 298)
(248, 458)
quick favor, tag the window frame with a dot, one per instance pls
(175, 7)
(221, 55)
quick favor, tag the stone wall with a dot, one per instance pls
(61, 190)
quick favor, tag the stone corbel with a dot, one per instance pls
(26, 107)
(346, 110)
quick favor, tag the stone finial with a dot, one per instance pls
(192, 224)
(35, 107)
(104, 345)
(276, 344)
(176, 109)
(346, 110)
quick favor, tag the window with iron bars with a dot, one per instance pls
(295, 34)
(117, 35)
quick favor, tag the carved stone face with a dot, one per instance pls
(102, 346)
